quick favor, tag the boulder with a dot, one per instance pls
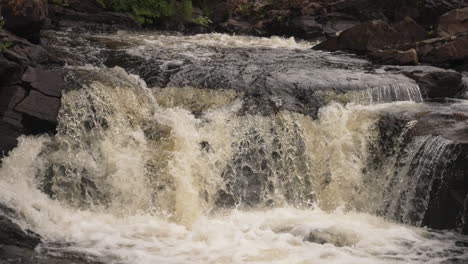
(453, 22)
(40, 106)
(335, 23)
(365, 37)
(237, 26)
(10, 72)
(9, 98)
(8, 137)
(410, 30)
(441, 194)
(48, 82)
(434, 82)
(451, 50)
(305, 27)
(431, 10)
(25, 18)
(22, 51)
(12, 234)
(395, 57)
(369, 36)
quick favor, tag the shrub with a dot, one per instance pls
(147, 11)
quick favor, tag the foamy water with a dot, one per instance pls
(280, 235)
(176, 175)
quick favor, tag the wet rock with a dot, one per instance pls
(27, 70)
(451, 50)
(436, 166)
(395, 57)
(453, 22)
(10, 72)
(365, 37)
(335, 23)
(22, 51)
(410, 30)
(464, 85)
(48, 82)
(18, 246)
(434, 82)
(8, 137)
(273, 80)
(12, 234)
(10, 96)
(305, 27)
(41, 106)
(25, 18)
(334, 236)
(237, 26)
(449, 195)
(431, 10)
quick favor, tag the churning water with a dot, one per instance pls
(177, 175)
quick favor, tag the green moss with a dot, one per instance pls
(148, 11)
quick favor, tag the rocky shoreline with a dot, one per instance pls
(408, 33)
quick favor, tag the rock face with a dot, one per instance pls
(395, 57)
(374, 35)
(406, 42)
(453, 22)
(454, 50)
(438, 132)
(12, 234)
(30, 90)
(434, 82)
(312, 19)
(25, 17)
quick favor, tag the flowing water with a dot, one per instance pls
(181, 175)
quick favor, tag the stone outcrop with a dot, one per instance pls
(406, 42)
(395, 57)
(30, 90)
(440, 201)
(453, 22)
(25, 18)
(374, 35)
(312, 19)
(434, 82)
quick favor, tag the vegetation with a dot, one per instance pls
(3, 45)
(148, 11)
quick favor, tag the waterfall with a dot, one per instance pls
(185, 175)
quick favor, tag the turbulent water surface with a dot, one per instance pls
(141, 174)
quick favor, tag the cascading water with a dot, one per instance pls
(184, 175)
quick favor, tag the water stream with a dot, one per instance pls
(140, 175)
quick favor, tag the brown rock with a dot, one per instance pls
(369, 36)
(434, 82)
(237, 26)
(451, 50)
(40, 106)
(305, 27)
(410, 30)
(8, 135)
(9, 98)
(25, 17)
(453, 22)
(331, 44)
(46, 81)
(10, 72)
(395, 57)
